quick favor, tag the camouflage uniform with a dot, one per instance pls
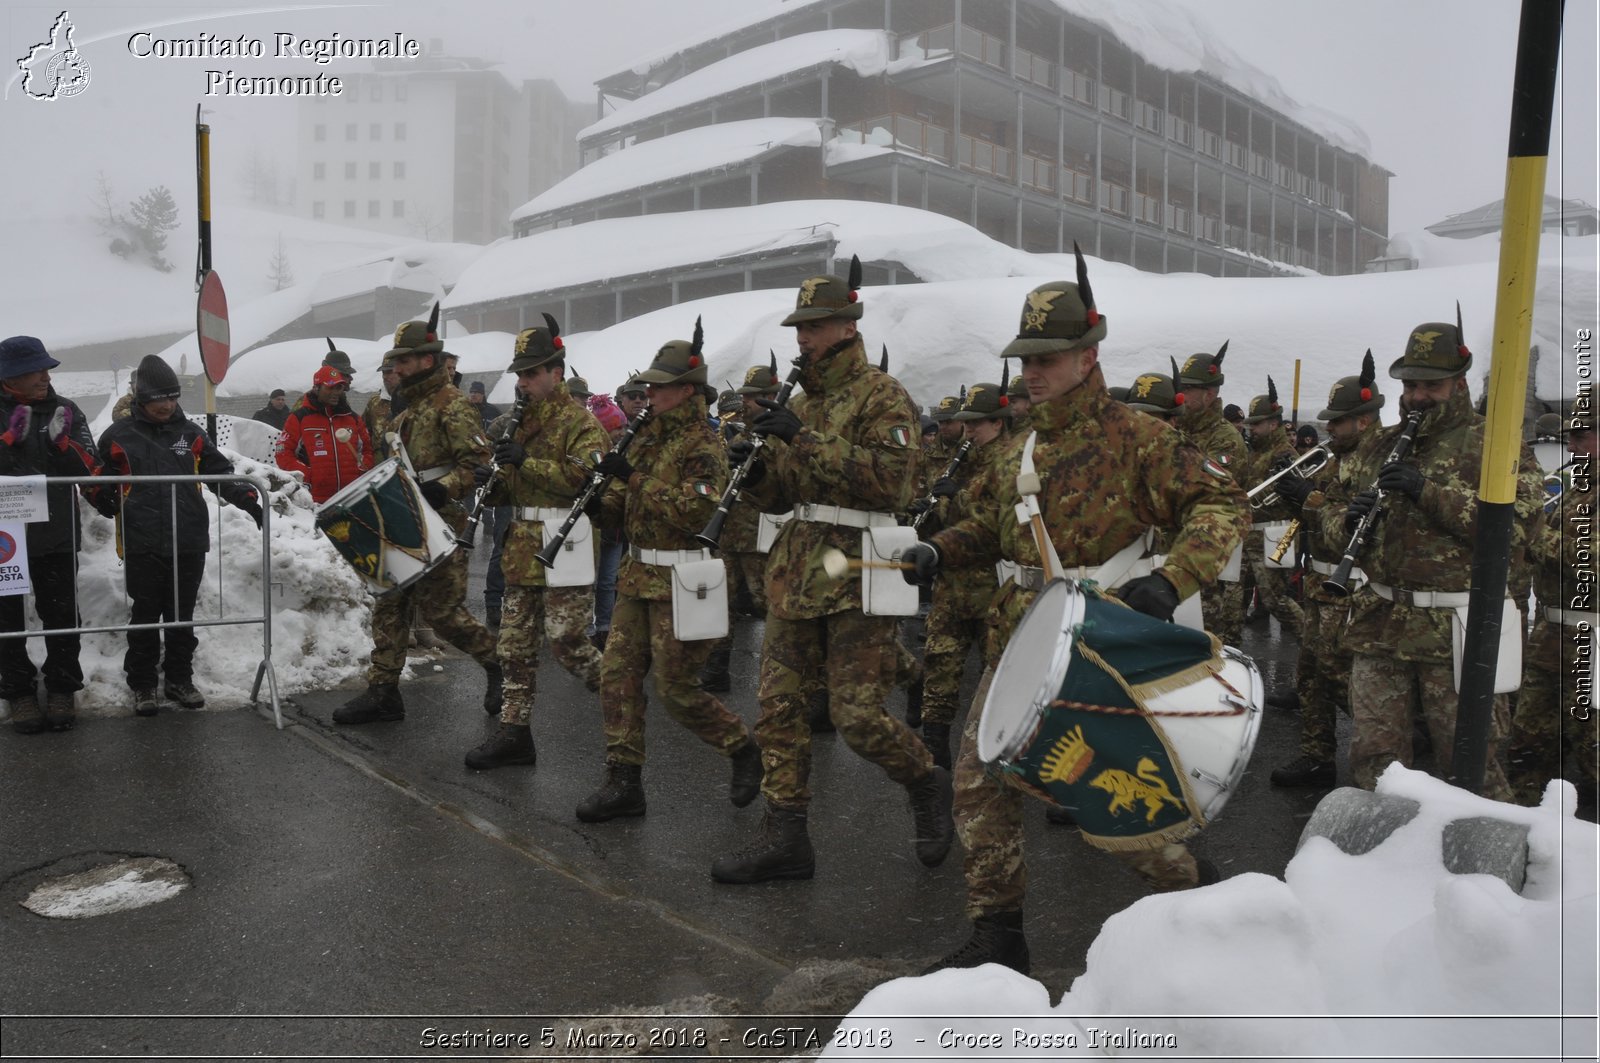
(1109, 474)
(552, 432)
(443, 436)
(1403, 667)
(1221, 601)
(1271, 583)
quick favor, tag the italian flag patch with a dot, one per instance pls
(702, 489)
(1216, 470)
(900, 436)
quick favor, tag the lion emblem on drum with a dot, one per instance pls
(1128, 790)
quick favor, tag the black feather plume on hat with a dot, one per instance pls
(1005, 381)
(331, 348)
(772, 364)
(1216, 359)
(962, 398)
(853, 281)
(550, 323)
(1461, 335)
(1272, 394)
(696, 344)
(883, 362)
(1369, 371)
(433, 323)
(1084, 291)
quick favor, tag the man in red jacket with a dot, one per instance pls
(323, 439)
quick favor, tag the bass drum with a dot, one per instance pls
(382, 525)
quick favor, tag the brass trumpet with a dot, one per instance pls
(1265, 494)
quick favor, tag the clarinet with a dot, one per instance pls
(949, 471)
(597, 483)
(469, 530)
(712, 532)
(1339, 582)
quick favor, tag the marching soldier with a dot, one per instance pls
(1418, 562)
(663, 491)
(1553, 730)
(958, 619)
(380, 410)
(537, 482)
(1270, 449)
(1154, 394)
(1107, 476)
(1017, 404)
(1322, 674)
(844, 458)
(443, 436)
(1203, 423)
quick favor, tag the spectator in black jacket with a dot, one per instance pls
(158, 440)
(43, 434)
(275, 412)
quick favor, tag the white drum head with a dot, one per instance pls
(1031, 671)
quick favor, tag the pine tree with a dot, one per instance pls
(153, 216)
(278, 269)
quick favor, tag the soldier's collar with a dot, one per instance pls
(837, 369)
(1087, 401)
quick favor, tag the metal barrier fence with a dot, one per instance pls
(263, 493)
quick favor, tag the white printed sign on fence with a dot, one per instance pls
(14, 578)
(23, 499)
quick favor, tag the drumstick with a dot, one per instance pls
(838, 566)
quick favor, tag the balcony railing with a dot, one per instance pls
(1113, 198)
(1146, 209)
(901, 132)
(974, 153)
(1037, 173)
(1080, 87)
(1116, 102)
(1034, 68)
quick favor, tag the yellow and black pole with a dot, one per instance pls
(202, 182)
(1533, 94)
(1294, 410)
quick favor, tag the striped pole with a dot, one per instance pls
(1533, 94)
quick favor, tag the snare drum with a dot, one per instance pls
(1142, 728)
(383, 526)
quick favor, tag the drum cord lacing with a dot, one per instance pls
(1239, 709)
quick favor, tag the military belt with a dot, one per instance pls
(667, 557)
(1420, 599)
(542, 514)
(843, 516)
(438, 472)
(1327, 568)
(1568, 617)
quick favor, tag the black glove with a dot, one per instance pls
(592, 508)
(739, 452)
(1151, 595)
(252, 506)
(945, 487)
(1360, 506)
(778, 421)
(918, 507)
(615, 466)
(1294, 490)
(1402, 479)
(435, 494)
(104, 501)
(509, 452)
(481, 474)
(922, 561)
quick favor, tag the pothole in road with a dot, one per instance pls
(89, 885)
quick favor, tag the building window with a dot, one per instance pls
(349, 208)
(349, 171)
(317, 209)
(319, 132)
(350, 131)
(400, 170)
(376, 132)
(400, 90)
(319, 171)
(374, 170)
(399, 208)
(372, 209)
(399, 130)
(376, 90)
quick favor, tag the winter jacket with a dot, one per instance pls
(329, 446)
(37, 455)
(276, 418)
(139, 446)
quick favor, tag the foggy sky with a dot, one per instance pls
(1427, 80)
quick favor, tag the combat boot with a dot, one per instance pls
(511, 744)
(781, 850)
(493, 689)
(714, 676)
(145, 702)
(931, 798)
(996, 938)
(380, 701)
(26, 719)
(427, 640)
(620, 795)
(184, 694)
(747, 773)
(60, 710)
(1304, 771)
(936, 736)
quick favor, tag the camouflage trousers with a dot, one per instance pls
(1222, 606)
(747, 570)
(641, 637)
(988, 813)
(857, 656)
(1322, 679)
(438, 598)
(529, 615)
(1273, 586)
(1548, 739)
(950, 640)
(1388, 697)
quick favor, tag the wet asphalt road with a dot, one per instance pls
(365, 872)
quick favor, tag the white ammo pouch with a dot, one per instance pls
(574, 564)
(767, 530)
(884, 591)
(699, 599)
(1508, 665)
(1271, 535)
(1230, 571)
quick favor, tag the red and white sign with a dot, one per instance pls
(14, 578)
(211, 326)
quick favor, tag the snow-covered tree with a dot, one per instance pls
(279, 272)
(154, 215)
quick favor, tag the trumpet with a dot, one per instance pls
(1265, 494)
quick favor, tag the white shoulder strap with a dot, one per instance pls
(1028, 512)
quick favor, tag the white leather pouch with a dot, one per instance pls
(1508, 666)
(699, 600)
(574, 565)
(884, 591)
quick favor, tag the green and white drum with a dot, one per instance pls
(1142, 728)
(383, 526)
